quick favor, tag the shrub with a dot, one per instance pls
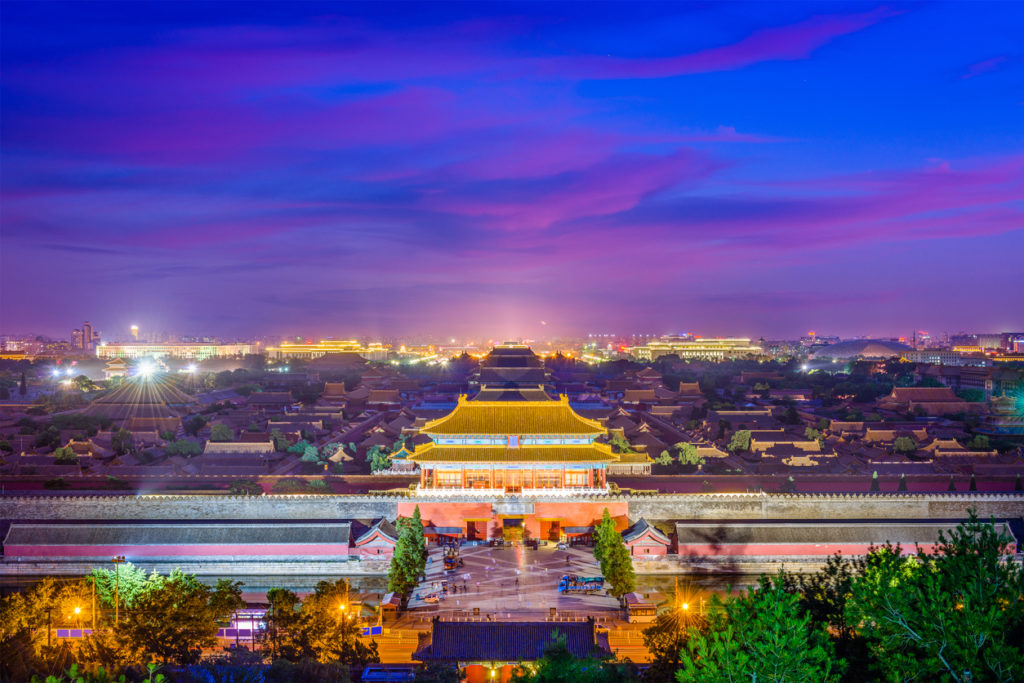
(65, 456)
(117, 484)
(56, 483)
(290, 485)
(245, 487)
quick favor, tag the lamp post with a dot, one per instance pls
(118, 561)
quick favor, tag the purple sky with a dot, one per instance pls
(475, 169)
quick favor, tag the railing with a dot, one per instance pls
(468, 490)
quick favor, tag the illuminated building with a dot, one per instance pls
(135, 332)
(198, 352)
(698, 349)
(307, 350)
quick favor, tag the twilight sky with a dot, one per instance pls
(475, 169)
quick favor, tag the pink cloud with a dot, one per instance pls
(983, 67)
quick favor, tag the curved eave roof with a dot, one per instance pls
(513, 418)
(432, 453)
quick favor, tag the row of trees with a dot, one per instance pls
(953, 615)
(169, 620)
(409, 561)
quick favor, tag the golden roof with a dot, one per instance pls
(513, 417)
(595, 452)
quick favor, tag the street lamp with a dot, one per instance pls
(118, 561)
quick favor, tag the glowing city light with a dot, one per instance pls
(146, 369)
(192, 368)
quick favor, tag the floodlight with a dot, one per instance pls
(192, 368)
(69, 371)
(805, 367)
(146, 369)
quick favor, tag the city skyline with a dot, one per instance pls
(748, 170)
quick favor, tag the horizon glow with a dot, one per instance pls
(512, 170)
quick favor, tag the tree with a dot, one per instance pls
(904, 444)
(811, 434)
(762, 636)
(310, 454)
(972, 484)
(22, 385)
(65, 456)
(129, 582)
(956, 615)
(326, 632)
(903, 483)
(226, 599)
(194, 424)
(24, 620)
(665, 640)
(875, 488)
(688, 454)
(121, 441)
(952, 484)
(978, 443)
(280, 441)
(245, 487)
(619, 443)
(664, 458)
(409, 559)
(823, 423)
(560, 665)
(220, 432)
(172, 621)
(378, 458)
(183, 447)
(613, 556)
(740, 441)
(83, 383)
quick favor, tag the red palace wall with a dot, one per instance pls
(245, 551)
(567, 513)
(780, 550)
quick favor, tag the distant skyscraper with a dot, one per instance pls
(135, 332)
(76, 339)
(89, 336)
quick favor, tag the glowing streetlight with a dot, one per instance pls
(78, 610)
(192, 368)
(685, 606)
(146, 369)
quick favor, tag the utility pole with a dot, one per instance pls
(118, 561)
(94, 603)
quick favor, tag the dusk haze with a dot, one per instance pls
(511, 342)
(474, 169)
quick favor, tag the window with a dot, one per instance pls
(449, 478)
(575, 478)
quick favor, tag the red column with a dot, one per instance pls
(590, 478)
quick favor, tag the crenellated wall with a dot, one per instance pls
(652, 507)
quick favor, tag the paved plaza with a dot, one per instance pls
(511, 582)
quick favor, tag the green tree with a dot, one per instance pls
(171, 622)
(664, 458)
(220, 432)
(183, 448)
(761, 636)
(226, 599)
(875, 487)
(310, 454)
(956, 615)
(378, 458)
(245, 487)
(904, 444)
(688, 454)
(194, 424)
(823, 423)
(84, 383)
(740, 441)
(65, 456)
(560, 665)
(121, 441)
(619, 443)
(665, 640)
(280, 441)
(129, 581)
(979, 443)
(326, 632)
(903, 483)
(811, 434)
(613, 556)
(409, 558)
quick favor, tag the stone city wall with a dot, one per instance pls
(661, 507)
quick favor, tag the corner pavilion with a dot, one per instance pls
(513, 447)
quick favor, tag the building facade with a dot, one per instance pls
(198, 352)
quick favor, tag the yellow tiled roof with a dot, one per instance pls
(513, 417)
(596, 452)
